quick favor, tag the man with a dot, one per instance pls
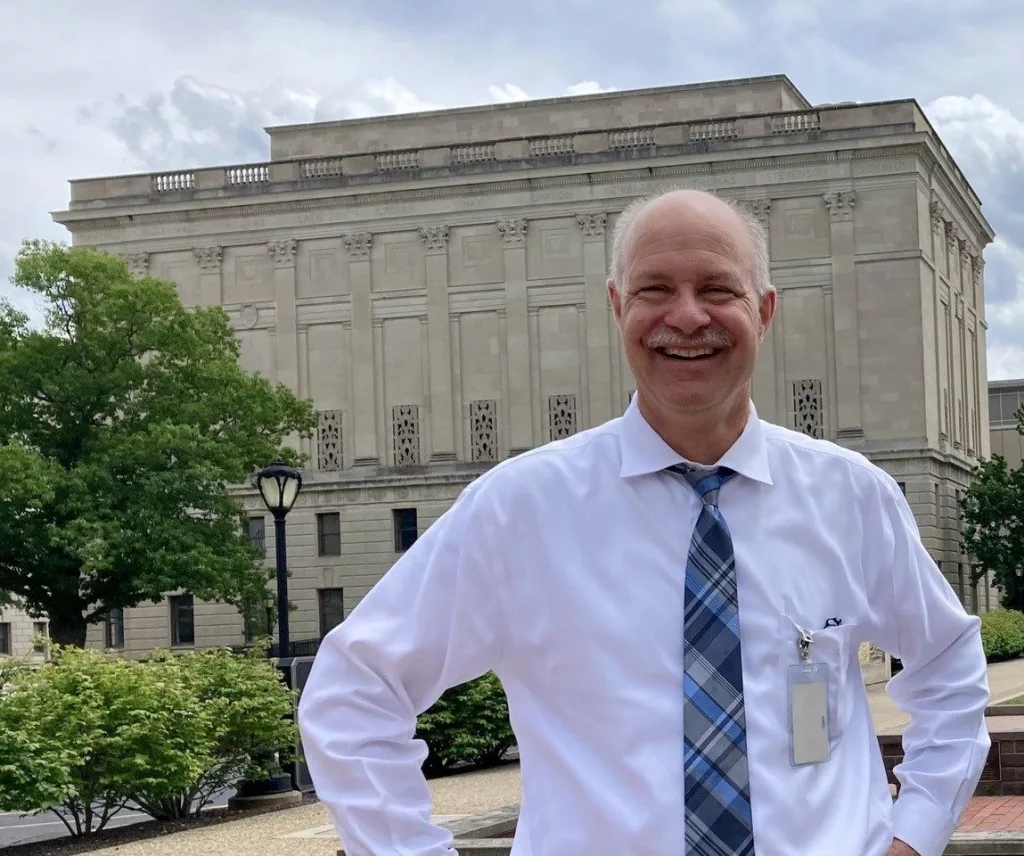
(674, 603)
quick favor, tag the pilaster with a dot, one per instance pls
(435, 240)
(364, 412)
(849, 412)
(598, 384)
(209, 259)
(283, 253)
(520, 415)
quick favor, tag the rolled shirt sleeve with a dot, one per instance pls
(435, 620)
(943, 685)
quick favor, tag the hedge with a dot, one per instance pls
(467, 726)
(1002, 634)
(89, 732)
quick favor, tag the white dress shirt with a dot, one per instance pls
(562, 570)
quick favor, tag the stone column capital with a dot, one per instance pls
(940, 216)
(761, 209)
(435, 238)
(513, 232)
(209, 258)
(592, 225)
(357, 244)
(137, 263)
(283, 251)
(840, 204)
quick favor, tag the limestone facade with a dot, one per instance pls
(436, 284)
(18, 635)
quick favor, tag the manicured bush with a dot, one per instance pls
(246, 713)
(468, 725)
(1002, 634)
(88, 733)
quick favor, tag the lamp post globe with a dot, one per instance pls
(279, 486)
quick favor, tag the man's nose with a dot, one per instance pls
(687, 314)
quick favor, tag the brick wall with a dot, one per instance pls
(1003, 774)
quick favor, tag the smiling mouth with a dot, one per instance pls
(690, 354)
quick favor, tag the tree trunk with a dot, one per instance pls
(68, 628)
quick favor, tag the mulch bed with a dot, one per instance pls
(140, 832)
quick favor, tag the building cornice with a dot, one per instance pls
(355, 208)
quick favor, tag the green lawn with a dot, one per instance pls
(1018, 700)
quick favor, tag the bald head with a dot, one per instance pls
(684, 208)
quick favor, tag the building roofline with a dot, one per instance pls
(539, 102)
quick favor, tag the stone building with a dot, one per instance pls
(436, 284)
(21, 635)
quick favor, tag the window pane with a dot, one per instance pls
(258, 534)
(115, 629)
(5, 637)
(329, 533)
(406, 528)
(255, 619)
(332, 609)
(183, 630)
(39, 628)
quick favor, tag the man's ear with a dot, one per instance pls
(616, 301)
(766, 310)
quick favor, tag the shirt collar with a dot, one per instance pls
(644, 452)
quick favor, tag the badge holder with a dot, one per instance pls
(807, 699)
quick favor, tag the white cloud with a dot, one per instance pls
(703, 20)
(193, 83)
(507, 93)
(588, 87)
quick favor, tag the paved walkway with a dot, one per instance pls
(307, 830)
(993, 814)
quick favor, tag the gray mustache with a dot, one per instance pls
(663, 339)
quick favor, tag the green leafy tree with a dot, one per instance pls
(87, 731)
(993, 513)
(124, 423)
(246, 710)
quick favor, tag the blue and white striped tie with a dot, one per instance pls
(716, 776)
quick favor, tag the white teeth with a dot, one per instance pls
(689, 353)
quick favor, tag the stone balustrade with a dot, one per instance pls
(671, 137)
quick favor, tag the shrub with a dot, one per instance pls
(468, 725)
(246, 711)
(1002, 634)
(86, 731)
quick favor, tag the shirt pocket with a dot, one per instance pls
(836, 648)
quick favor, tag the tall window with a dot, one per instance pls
(328, 534)
(1002, 407)
(258, 534)
(115, 629)
(183, 626)
(39, 629)
(5, 637)
(406, 528)
(332, 609)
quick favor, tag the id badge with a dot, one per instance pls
(809, 727)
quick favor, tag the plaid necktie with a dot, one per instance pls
(717, 785)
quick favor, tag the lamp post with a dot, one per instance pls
(1020, 584)
(279, 485)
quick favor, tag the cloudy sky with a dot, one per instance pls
(116, 86)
